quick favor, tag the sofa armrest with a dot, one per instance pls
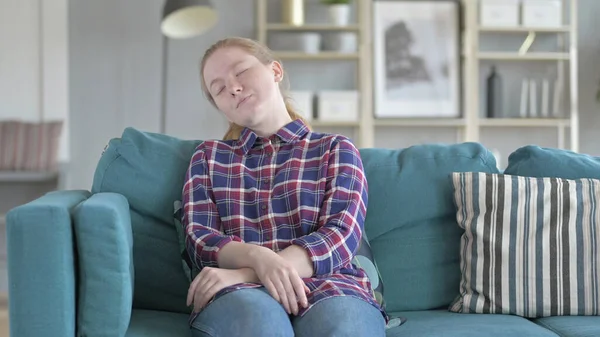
(104, 243)
(41, 265)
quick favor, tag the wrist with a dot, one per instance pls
(247, 275)
(255, 254)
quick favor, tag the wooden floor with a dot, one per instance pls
(3, 316)
(3, 322)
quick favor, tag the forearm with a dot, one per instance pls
(236, 255)
(299, 259)
(331, 247)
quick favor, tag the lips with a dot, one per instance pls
(242, 101)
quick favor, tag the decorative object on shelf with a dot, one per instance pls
(557, 108)
(494, 94)
(343, 42)
(305, 42)
(292, 12)
(410, 79)
(533, 99)
(499, 13)
(187, 18)
(542, 13)
(29, 146)
(536, 100)
(524, 98)
(339, 11)
(545, 99)
(303, 101)
(338, 106)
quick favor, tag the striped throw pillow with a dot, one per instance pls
(531, 246)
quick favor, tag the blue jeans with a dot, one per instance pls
(254, 312)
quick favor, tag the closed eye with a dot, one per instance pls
(241, 72)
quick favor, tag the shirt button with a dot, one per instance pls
(263, 207)
(267, 237)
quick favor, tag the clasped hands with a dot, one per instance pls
(279, 277)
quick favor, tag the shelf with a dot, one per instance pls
(425, 122)
(312, 27)
(563, 29)
(532, 56)
(524, 122)
(319, 56)
(317, 123)
(26, 176)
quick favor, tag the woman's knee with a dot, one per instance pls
(341, 316)
(246, 312)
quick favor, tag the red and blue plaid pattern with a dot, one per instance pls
(295, 187)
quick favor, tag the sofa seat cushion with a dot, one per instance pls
(448, 324)
(572, 326)
(152, 323)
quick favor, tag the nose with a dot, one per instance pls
(235, 87)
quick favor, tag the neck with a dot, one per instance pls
(279, 118)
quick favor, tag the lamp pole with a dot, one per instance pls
(181, 19)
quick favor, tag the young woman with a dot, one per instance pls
(274, 213)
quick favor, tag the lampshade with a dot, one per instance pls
(187, 18)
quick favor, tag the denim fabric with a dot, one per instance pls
(253, 312)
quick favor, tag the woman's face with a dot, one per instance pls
(243, 88)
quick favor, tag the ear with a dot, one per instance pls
(277, 71)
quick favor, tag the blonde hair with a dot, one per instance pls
(264, 55)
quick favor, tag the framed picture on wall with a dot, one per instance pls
(416, 58)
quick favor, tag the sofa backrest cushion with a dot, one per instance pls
(149, 170)
(536, 161)
(411, 220)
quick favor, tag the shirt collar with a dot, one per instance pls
(289, 133)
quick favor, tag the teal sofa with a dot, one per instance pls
(106, 262)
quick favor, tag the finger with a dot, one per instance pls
(291, 294)
(300, 290)
(306, 288)
(207, 295)
(272, 290)
(192, 290)
(200, 297)
(283, 296)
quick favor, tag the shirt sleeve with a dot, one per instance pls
(341, 219)
(201, 222)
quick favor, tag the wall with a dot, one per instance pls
(33, 82)
(115, 79)
(34, 63)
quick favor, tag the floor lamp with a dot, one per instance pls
(181, 19)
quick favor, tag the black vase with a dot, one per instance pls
(494, 94)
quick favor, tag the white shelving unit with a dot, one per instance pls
(565, 59)
(470, 125)
(364, 127)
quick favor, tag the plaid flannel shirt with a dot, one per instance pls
(295, 187)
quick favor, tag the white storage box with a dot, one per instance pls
(499, 13)
(338, 106)
(303, 101)
(542, 13)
